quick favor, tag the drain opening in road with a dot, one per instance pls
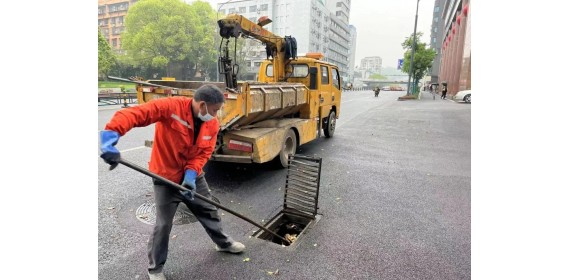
(286, 225)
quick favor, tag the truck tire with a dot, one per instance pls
(289, 146)
(329, 124)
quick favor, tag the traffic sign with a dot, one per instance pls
(400, 63)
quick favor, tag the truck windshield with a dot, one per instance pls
(299, 70)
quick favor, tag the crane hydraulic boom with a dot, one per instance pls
(277, 47)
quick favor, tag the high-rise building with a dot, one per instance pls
(111, 15)
(352, 52)
(371, 64)
(436, 38)
(455, 52)
(340, 9)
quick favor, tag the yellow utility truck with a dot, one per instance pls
(294, 98)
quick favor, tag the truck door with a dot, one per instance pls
(325, 87)
(336, 89)
(325, 91)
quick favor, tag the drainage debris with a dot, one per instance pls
(291, 237)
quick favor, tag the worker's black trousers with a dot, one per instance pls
(166, 200)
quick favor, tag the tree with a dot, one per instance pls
(205, 57)
(163, 34)
(107, 58)
(423, 58)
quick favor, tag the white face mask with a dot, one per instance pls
(207, 116)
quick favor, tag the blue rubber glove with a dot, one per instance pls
(189, 183)
(109, 153)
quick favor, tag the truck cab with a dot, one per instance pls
(321, 78)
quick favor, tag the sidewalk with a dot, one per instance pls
(426, 95)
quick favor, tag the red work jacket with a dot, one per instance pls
(173, 150)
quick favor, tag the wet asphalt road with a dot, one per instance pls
(394, 201)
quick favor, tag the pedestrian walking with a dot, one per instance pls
(185, 136)
(444, 91)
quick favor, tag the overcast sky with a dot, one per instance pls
(382, 26)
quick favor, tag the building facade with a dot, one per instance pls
(352, 52)
(455, 55)
(371, 64)
(436, 38)
(111, 15)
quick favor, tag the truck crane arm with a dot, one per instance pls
(277, 47)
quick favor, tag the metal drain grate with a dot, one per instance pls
(302, 185)
(300, 203)
(146, 213)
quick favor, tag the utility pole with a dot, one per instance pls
(413, 50)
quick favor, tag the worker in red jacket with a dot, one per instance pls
(184, 139)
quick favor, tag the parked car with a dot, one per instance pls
(464, 95)
(385, 88)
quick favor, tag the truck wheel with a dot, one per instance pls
(289, 146)
(329, 124)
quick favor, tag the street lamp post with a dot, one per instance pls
(413, 49)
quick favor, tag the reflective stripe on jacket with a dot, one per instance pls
(173, 150)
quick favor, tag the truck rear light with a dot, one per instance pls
(240, 146)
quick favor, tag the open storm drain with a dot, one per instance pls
(146, 213)
(300, 201)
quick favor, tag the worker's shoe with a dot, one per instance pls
(156, 276)
(236, 247)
